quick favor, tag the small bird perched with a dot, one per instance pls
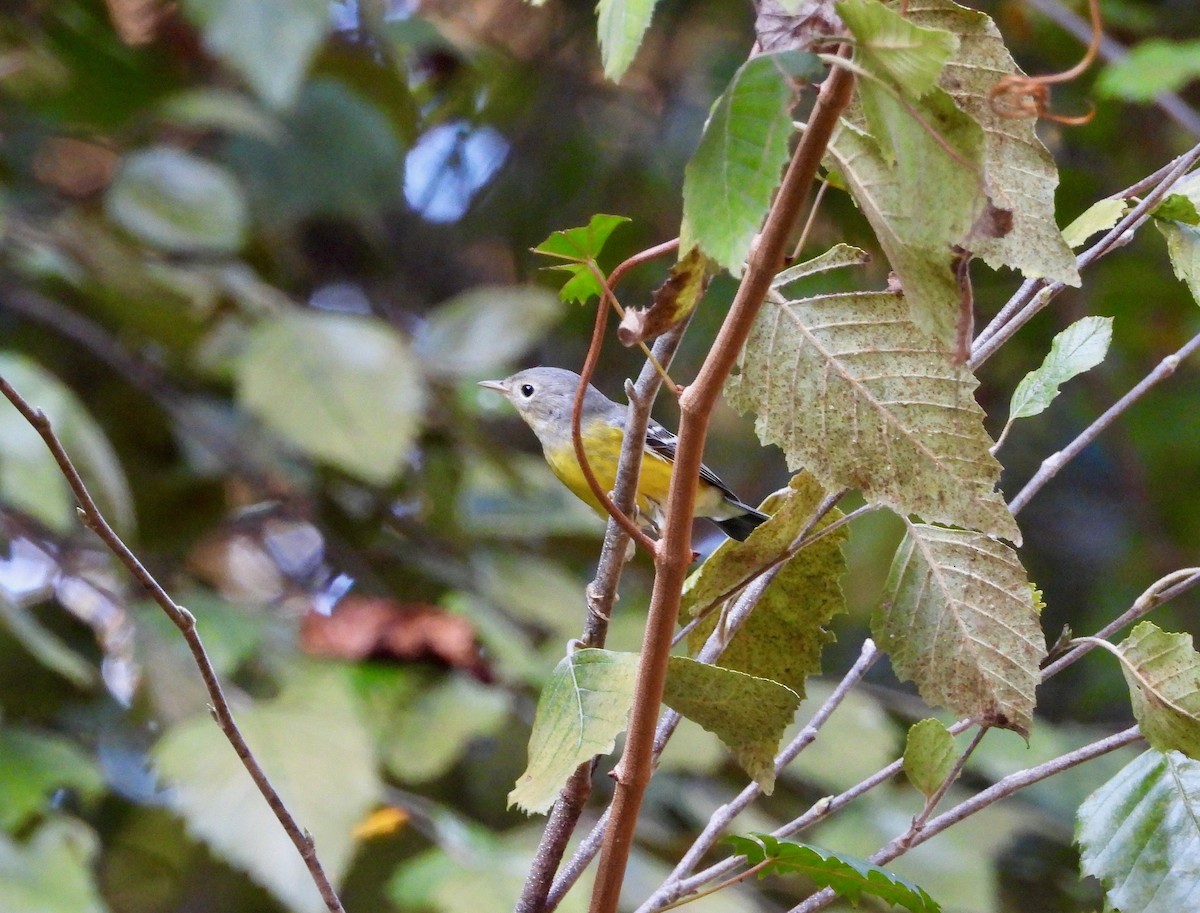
(544, 398)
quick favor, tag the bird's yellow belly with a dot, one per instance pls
(602, 444)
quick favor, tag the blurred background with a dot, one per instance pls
(255, 256)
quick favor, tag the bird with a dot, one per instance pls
(544, 398)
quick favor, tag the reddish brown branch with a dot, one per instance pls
(674, 553)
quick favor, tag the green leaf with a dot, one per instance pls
(481, 331)
(747, 713)
(474, 871)
(269, 42)
(622, 25)
(220, 109)
(30, 480)
(783, 638)
(1020, 174)
(1078, 348)
(729, 182)
(1177, 207)
(929, 756)
(52, 871)
(1139, 834)
(33, 765)
(428, 733)
(178, 202)
(891, 47)
(852, 390)
(317, 754)
(1163, 674)
(1183, 249)
(1100, 216)
(916, 209)
(582, 710)
(1151, 68)
(344, 389)
(959, 620)
(847, 876)
(350, 163)
(580, 247)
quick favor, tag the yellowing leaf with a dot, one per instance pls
(917, 247)
(1100, 216)
(958, 619)
(749, 714)
(673, 302)
(582, 710)
(891, 47)
(1163, 672)
(852, 390)
(1020, 174)
(783, 638)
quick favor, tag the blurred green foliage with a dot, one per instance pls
(255, 254)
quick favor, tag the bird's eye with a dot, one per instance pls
(527, 390)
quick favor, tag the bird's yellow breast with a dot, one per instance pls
(602, 444)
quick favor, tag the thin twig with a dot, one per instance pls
(981, 800)
(585, 377)
(1033, 295)
(1056, 461)
(806, 538)
(1162, 590)
(186, 623)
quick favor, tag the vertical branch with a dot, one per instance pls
(601, 596)
(186, 623)
(674, 552)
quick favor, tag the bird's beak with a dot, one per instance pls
(497, 385)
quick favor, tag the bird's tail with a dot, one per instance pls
(743, 524)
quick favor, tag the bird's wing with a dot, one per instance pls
(662, 442)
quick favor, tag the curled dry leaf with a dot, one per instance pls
(673, 302)
(363, 626)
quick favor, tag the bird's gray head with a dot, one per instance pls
(544, 396)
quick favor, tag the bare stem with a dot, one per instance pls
(1033, 295)
(186, 623)
(1056, 461)
(981, 800)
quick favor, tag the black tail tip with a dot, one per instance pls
(741, 526)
